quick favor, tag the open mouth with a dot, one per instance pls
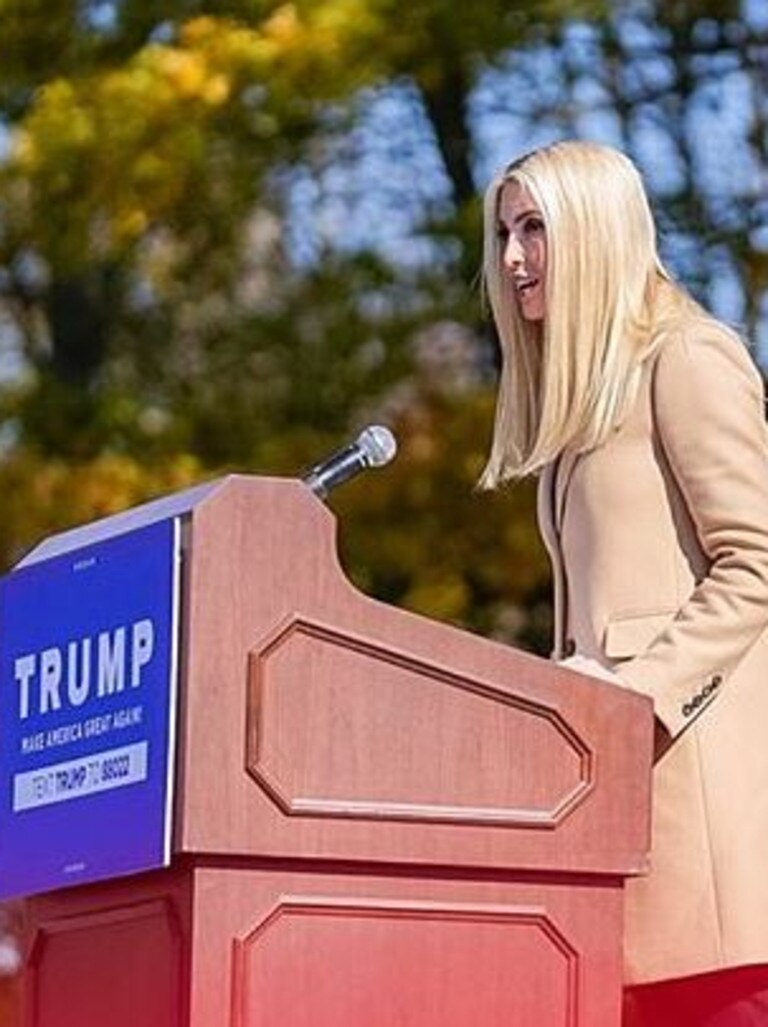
(525, 287)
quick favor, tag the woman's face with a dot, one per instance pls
(524, 249)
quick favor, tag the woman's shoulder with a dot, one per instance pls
(696, 346)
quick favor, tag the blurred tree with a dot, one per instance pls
(421, 535)
(153, 308)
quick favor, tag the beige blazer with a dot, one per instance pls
(659, 546)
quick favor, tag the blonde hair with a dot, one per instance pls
(569, 380)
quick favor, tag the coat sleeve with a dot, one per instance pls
(710, 422)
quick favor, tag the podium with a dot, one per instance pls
(379, 821)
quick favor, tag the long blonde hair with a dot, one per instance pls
(570, 380)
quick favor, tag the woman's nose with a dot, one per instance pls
(513, 253)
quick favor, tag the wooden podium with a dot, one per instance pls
(380, 821)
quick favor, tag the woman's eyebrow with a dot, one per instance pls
(520, 217)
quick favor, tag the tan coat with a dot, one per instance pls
(659, 544)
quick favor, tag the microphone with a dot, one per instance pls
(373, 447)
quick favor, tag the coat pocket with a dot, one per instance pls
(629, 636)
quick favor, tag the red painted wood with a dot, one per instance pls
(380, 820)
(112, 955)
(206, 946)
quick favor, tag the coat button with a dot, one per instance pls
(687, 710)
(569, 648)
(717, 680)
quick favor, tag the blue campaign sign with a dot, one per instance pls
(88, 664)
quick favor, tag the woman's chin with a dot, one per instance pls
(531, 308)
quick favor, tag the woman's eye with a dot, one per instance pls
(502, 233)
(533, 225)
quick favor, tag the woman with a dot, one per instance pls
(643, 417)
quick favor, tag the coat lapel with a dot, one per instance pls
(548, 527)
(565, 465)
(545, 510)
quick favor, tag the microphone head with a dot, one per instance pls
(377, 445)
